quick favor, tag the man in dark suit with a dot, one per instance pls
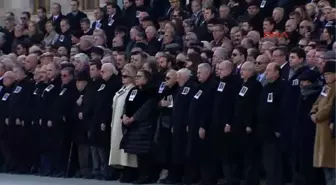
(42, 15)
(56, 16)
(99, 19)
(75, 17)
(279, 56)
(112, 21)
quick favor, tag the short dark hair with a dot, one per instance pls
(242, 51)
(42, 8)
(270, 20)
(85, 20)
(299, 52)
(76, 1)
(27, 14)
(97, 63)
(69, 70)
(113, 5)
(147, 75)
(283, 50)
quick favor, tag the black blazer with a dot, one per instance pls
(57, 22)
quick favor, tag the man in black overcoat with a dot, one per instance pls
(61, 121)
(179, 120)
(244, 126)
(81, 127)
(19, 109)
(48, 98)
(8, 85)
(310, 86)
(41, 83)
(100, 126)
(227, 88)
(199, 121)
(268, 127)
(163, 135)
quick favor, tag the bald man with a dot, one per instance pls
(268, 124)
(245, 121)
(226, 90)
(100, 129)
(30, 64)
(198, 123)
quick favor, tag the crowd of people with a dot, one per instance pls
(175, 92)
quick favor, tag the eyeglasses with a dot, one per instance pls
(125, 76)
(259, 63)
(23, 18)
(302, 46)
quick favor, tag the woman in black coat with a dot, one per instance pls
(138, 124)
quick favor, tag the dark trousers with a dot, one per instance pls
(84, 158)
(249, 151)
(100, 158)
(272, 161)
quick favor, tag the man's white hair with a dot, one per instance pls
(83, 58)
(184, 72)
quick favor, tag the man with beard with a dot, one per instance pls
(220, 135)
(100, 128)
(268, 127)
(179, 120)
(6, 128)
(166, 62)
(199, 121)
(19, 118)
(245, 122)
(163, 133)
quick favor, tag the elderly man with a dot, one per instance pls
(81, 62)
(245, 122)
(219, 55)
(198, 124)
(163, 134)
(324, 152)
(30, 64)
(62, 120)
(261, 63)
(100, 126)
(7, 130)
(19, 118)
(227, 87)
(48, 98)
(179, 120)
(268, 123)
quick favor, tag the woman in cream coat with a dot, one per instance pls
(118, 158)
